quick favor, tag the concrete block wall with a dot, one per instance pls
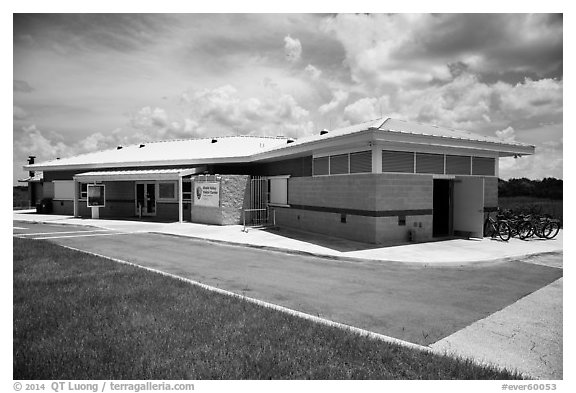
(401, 191)
(490, 191)
(388, 229)
(372, 204)
(358, 228)
(345, 191)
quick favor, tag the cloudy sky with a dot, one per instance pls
(85, 82)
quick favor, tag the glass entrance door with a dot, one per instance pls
(146, 199)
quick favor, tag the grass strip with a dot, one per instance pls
(78, 316)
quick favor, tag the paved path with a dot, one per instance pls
(526, 336)
(478, 311)
(451, 252)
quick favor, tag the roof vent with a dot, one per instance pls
(214, 140)
(324, 131)
(289, 140)
(119, 147)
(141, 145)
(57, 158)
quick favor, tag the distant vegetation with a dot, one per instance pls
(549, 188)
(20, 197)
(532, 196)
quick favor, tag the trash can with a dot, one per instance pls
(46, 206)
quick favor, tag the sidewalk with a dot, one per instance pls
(448, 252)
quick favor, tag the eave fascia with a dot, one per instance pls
(138, 164)
(501, 149)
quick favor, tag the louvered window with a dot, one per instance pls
(339, 164)
(361, 162)
(457, 165)
(320, 166)
(397, 161)
(483, 166)
(429, 163)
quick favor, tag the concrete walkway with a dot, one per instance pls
(448, 252)
(525, 336)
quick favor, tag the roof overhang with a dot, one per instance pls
(138, 175)
(37, 178)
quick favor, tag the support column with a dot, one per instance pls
(180, 204)
(376, 159)
(76, 186)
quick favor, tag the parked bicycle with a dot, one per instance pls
(516, 223)
(497, 227)
(542, 227)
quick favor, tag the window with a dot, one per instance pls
(279, 190)
(361, 162)
(483, 166)
(64, 190)
(320, 166)
(167, 191)
(457, 165)
(83, 191)
(429, 163)
(186, 191)
(397, 161)
(339, 164)
(343, 164)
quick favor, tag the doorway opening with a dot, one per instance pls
(442, 208)
(146, 199)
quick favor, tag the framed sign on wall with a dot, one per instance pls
(207, 194)
(96, 195)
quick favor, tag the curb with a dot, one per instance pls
(477, 263)
(347, 259)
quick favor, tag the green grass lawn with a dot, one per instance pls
(77, 316)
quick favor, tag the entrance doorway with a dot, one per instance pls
(442, 208)
(145, 199)
(469, 206)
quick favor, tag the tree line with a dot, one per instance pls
(548, 187)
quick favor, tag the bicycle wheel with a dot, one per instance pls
(539, 230)
(551, 230)
(524, 230)
(503, 231)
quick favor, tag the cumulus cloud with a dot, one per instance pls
(29, 140)
(292, 49)
(506, 135)
(547, 162)
(19, 113)
(404, 50)
(339, 97)
(467, 103)
(362, 110)
(22, 86)
(313, 72)
(225, 110)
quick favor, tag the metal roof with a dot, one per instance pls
(146, 174)
(178, 152)
(235, 149)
